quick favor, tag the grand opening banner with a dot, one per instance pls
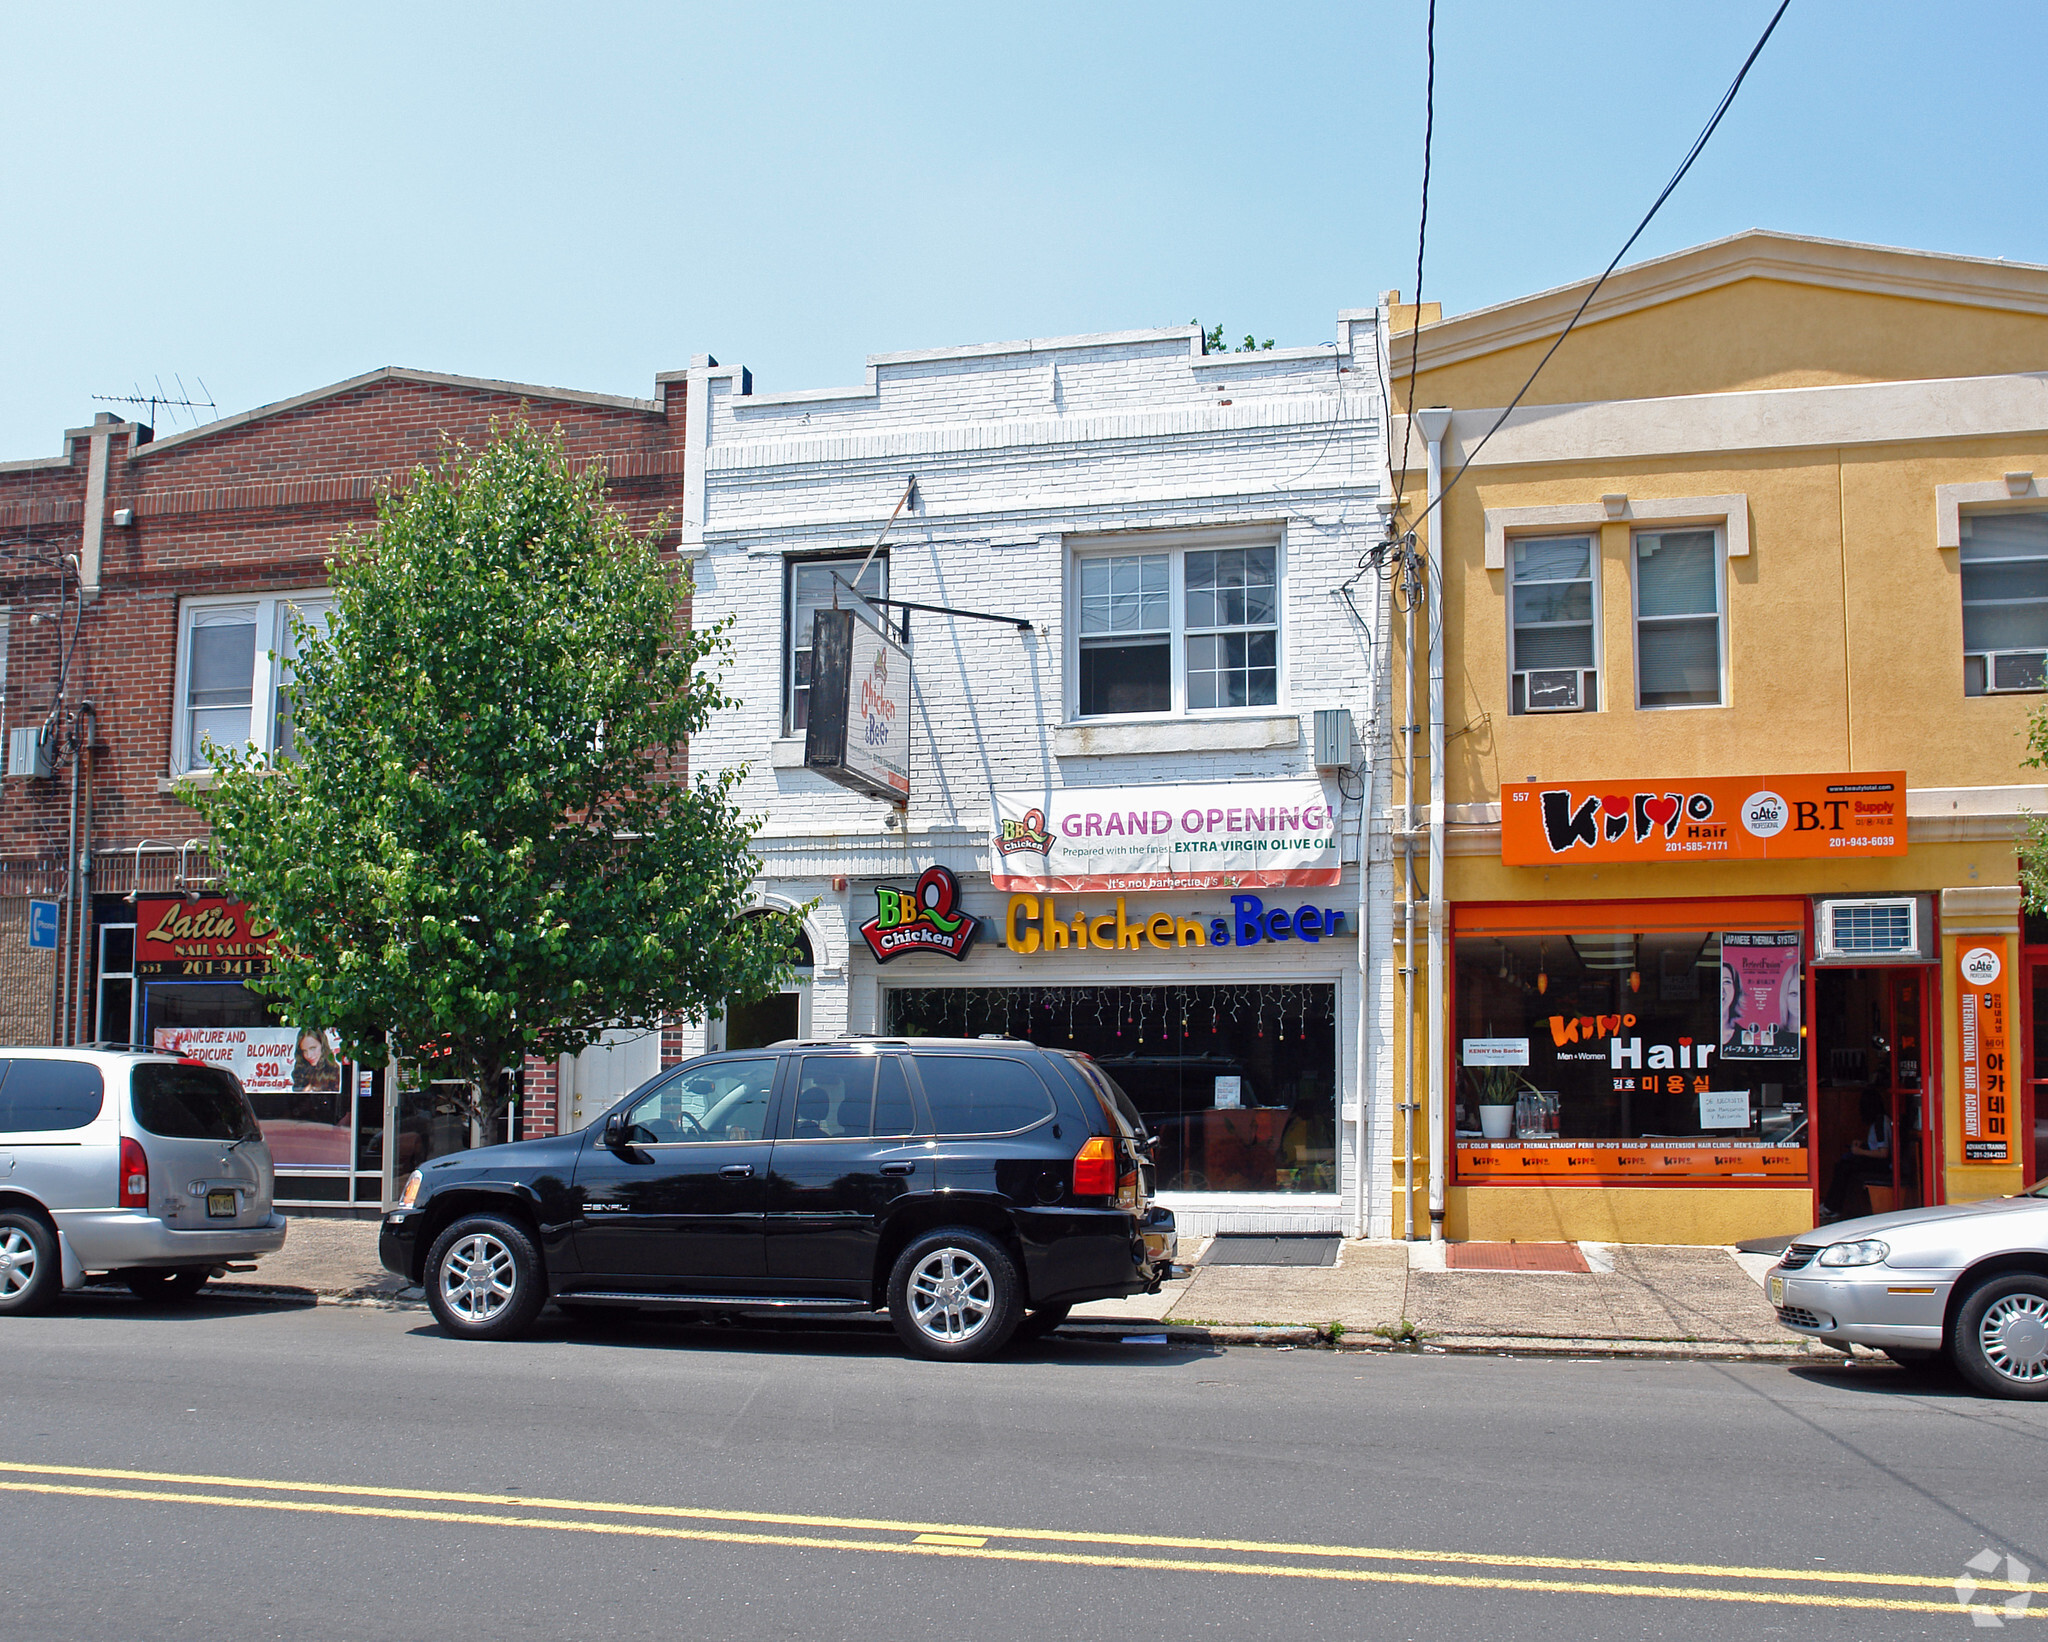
(1241, 834)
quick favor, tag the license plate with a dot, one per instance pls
(220, 1205)
(1777, 1291)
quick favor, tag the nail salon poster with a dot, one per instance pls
(1760, 996)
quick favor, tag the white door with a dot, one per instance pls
(594, 1080)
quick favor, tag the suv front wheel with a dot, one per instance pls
(954, 1295)
(484, 1278)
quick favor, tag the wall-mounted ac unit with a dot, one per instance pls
(2009, 670)
(1554, 690)
(1879, 929)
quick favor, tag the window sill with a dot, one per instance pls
(786, 753)
(1108, 739)
(192, 781)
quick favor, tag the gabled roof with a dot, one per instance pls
(1756, 253)
(393, 373)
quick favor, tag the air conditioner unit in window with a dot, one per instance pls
(1892, 928)
(1553, 690)
(2015, 670)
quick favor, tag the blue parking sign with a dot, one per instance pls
(42, 926)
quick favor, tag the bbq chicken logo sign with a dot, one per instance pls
(1725, 818)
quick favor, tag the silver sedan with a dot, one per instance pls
(1969, 1280)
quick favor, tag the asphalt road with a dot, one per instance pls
(230, 1472)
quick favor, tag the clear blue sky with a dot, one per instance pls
(275, 197)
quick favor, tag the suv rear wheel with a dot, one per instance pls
(954, 1295)
(484, 1278)
(2001, 1338)
(29, 1277)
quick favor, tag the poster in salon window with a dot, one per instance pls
(1760, 995)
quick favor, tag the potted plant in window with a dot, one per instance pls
(1499, 1087)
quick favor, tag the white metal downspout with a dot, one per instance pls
(1435, 422)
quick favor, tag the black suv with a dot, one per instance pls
(977, 1188)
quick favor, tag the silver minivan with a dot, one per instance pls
(117, 1161)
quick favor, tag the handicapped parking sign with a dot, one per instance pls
(42, 926)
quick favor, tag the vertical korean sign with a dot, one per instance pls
(1981, 962)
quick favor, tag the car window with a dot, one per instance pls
(725, 1100)
(835, 1096)
(191, 1103)
(982, 1094)
(894, 1115)
(40, 1096)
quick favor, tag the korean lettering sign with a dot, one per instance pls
(1708, 818)
(1988, 1086)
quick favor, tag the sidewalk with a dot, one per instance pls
(1635, 1298)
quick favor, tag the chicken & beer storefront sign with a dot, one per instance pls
(209, 939)
(1234, 835)
(1711, 818)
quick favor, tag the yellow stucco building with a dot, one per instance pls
(1719, 754)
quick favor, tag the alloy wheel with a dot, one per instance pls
(478, 1278)
(17, 1262)
(2014, 1337)
(951, 1295)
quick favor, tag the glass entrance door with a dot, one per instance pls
(2033, 1116)
(1871, 1117)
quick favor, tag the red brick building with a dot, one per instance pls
(144, 589)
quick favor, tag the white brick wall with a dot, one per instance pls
(1018, 449)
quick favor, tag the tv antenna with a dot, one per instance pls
(183, 400)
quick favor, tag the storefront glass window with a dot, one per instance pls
(1238, 1083)
(1618, 1054)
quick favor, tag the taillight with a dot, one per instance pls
(134, 1175)
(1095, 1168)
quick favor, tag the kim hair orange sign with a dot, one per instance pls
(1708, 818)
(1981, 962)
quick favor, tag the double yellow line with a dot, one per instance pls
(1770, 1587)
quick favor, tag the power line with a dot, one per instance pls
(1421, 243)
(1678, 176)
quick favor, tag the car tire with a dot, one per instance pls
(484, 1278)
(1038, 1323)
(2001, 1336)
(955, 1296)
(174, 1285)
(31, 1274)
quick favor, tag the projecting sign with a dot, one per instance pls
(1232, 835)
(1707, 818)
(858, 731)
(42, 926)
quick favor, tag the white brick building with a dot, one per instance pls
(1138, 455)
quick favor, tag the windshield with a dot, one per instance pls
(191, 1103)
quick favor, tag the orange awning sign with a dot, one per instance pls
(1711, 818)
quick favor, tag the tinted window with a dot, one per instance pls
(725, 1100)
(834, 1096)
(894, 1115)
(40, 1095)
(191, 1103)
(982, 1094)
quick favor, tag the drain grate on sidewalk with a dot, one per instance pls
(1514, 1257)
(1236, 1249)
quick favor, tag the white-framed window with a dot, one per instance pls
(2004, 572)
(115, 1014)
(1190, 628)
(234, 663)
(1554, 623)
(1680, 617)
(808, 586)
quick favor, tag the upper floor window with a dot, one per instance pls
(1551, 625)
(1184, 630)
(2004, 564)
(234, 669)
(1679, 640)
(808, 587)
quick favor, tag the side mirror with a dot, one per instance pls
(615, 1129)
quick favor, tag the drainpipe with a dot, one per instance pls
(1435, 423)
(1407, 970)
(82, 901)
(60, 1034)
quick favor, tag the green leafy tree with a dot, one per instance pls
(2033, 839)
(484, 842)
(1212, 341)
